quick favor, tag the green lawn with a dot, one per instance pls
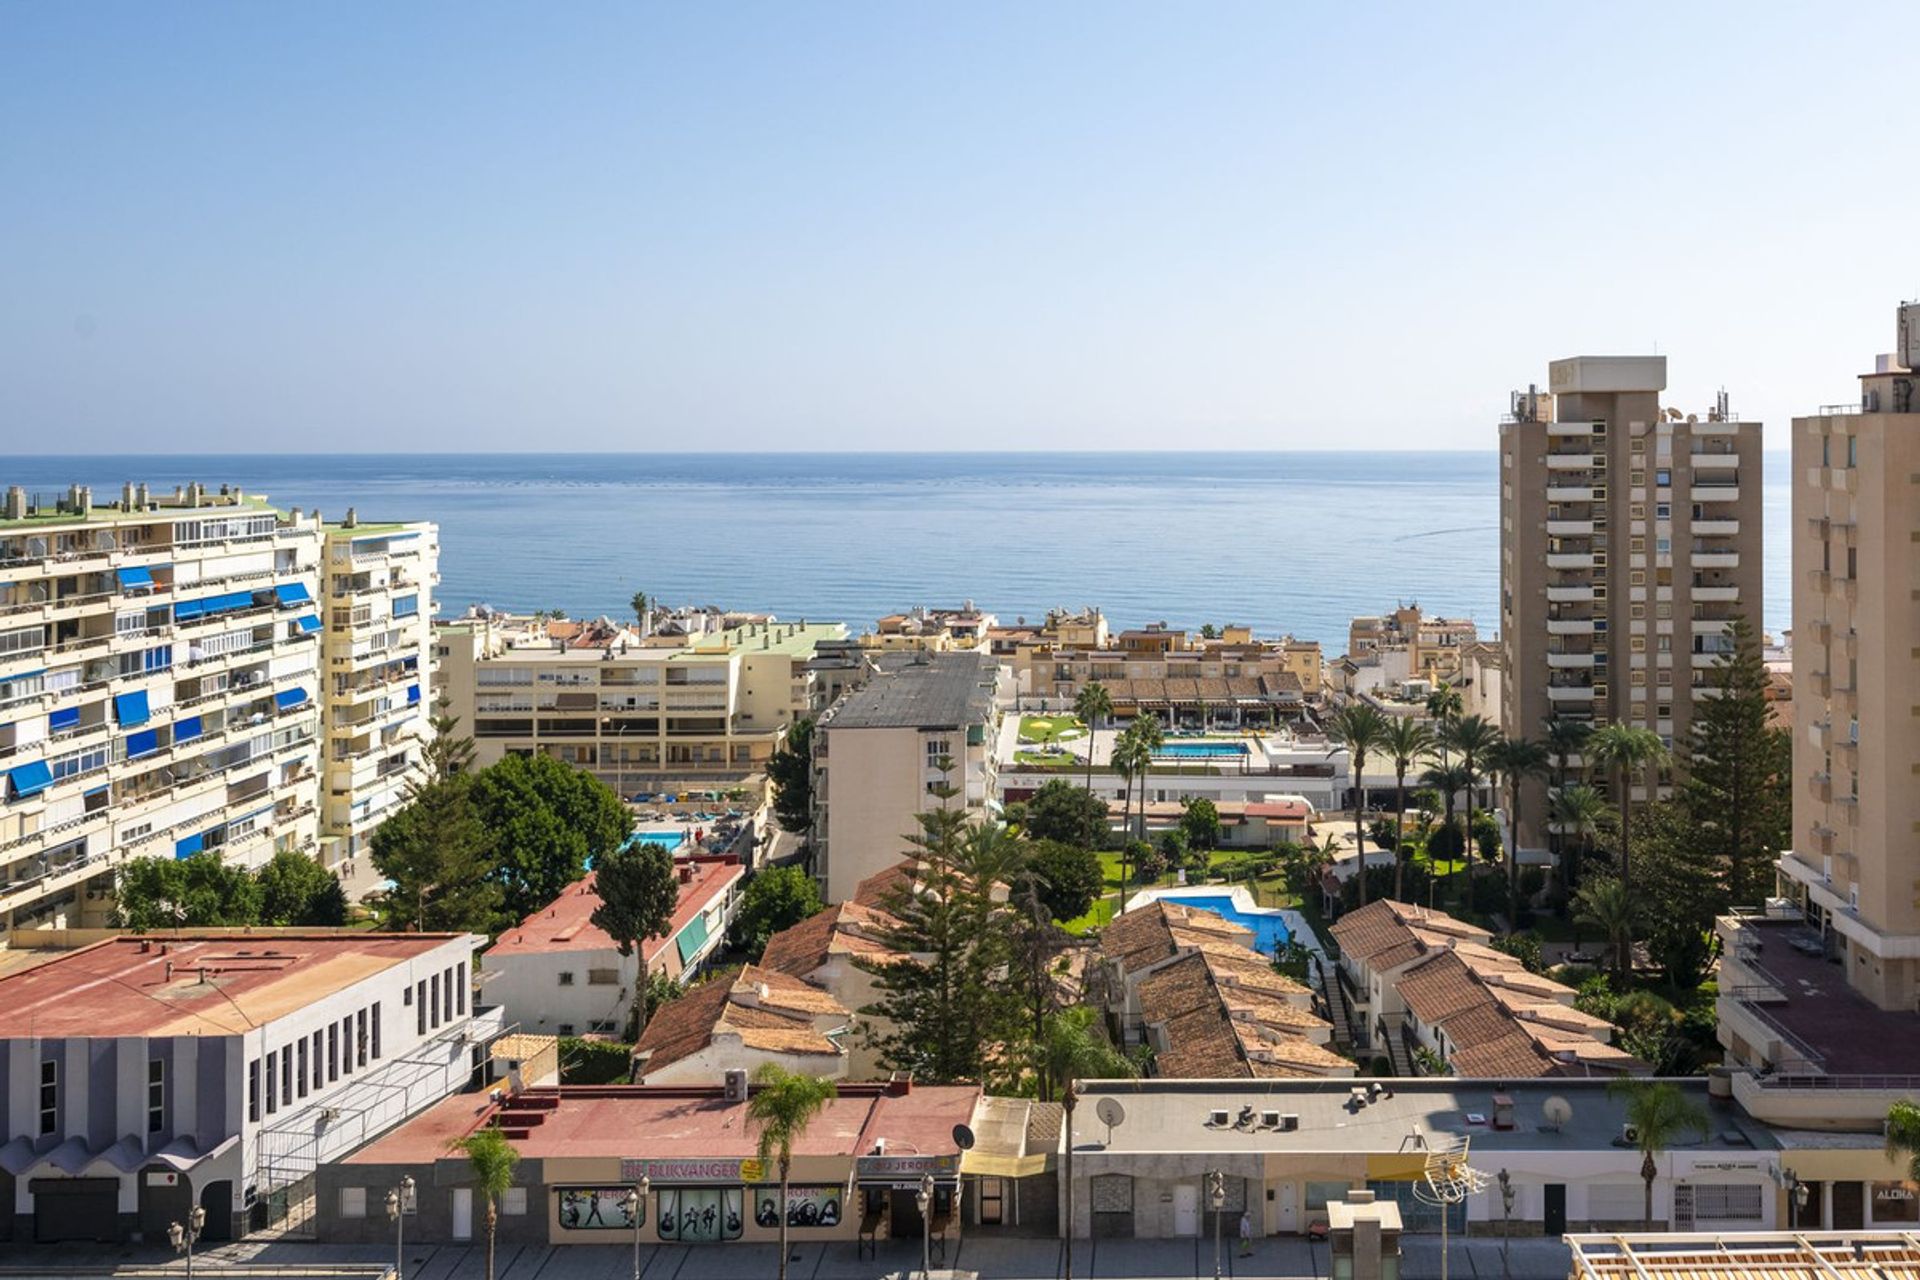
(1036, 760)
(1268, 890)
(1047, 728)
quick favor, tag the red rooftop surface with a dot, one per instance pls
(665, 1121)
(195, 984)
(566, 923)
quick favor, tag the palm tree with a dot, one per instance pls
(490, 1161)
(1444, 703)
(1903, 1135)
(1092, 704)
(1576, 811)
(1475, 739)
(640, 605)
(1360, 727)
(1448, 780)
(1407, 741)
(1604, 905)
(1659, 1114)
(1071, 1050)
(781, 1108)
(1520, 760)
(1130, 759)
(1566, 737)
(1626, 751)
(1149, 734)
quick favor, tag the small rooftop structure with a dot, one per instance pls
(757, 1011)
(216, 983)
(921, 691)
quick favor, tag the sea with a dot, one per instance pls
(1285, 542)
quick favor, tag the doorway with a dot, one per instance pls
(1849, 1206)
(1287, 1220)
(1186, 1209)
(1554, 1219)
(462, 1213)
(993, 1196)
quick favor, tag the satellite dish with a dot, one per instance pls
(1555, 1112)
(963, 1137)
(1110, 1111)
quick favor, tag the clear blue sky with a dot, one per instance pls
(843, 225)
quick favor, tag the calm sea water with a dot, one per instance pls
(1294, 542)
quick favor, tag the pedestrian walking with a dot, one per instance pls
(1246, 1234)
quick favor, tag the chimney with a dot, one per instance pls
(83, 499)
(16, 508)
(126, 496)
(353, 518)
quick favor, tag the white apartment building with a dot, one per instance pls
(377, 648)
(159, 669)
(878, 756)
(142, 1076)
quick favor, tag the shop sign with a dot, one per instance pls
(1727, 1166)
(906, 1168)
(1895, 1202)
(699, 1171)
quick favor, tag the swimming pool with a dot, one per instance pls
(668, 840)
(1269, 930)
(1200, 750)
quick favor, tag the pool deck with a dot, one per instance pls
(1297, 927)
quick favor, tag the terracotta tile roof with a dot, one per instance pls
(766, 1009)
(846, 928)
(1438, 988)
(884, 888)
(1140, 939)
(1211, 1034)
(1386, 934)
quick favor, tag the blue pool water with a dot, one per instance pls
(668, 840)
(1200, 750)
(1269, 931)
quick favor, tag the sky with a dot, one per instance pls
(469, 226)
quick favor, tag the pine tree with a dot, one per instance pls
(1738, 790)
(434, 848)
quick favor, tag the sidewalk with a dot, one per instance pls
(989, 1257)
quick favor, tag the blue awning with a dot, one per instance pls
(130, 709)
(307, 623)
(135, 577)
(292, 593)
(187, 610)
(64, 718)
(287, 699)
(143, 743)
(30, 779)
(188, 847)
(406, 606)
(186, 730)
(413, 694)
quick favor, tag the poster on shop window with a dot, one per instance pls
(595, 1209)
(806, 1206)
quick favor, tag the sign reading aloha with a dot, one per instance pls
(747, 1170)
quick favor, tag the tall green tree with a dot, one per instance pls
(1066, 878)
(783, 1106)
(1092, 704)
(1604, 905)
(198, 892)
(1690, 890)
(640, 606)
(1739, 770)
(1444, 703)
(1565, 739)
(1519, 761)
(490, 1163)
(1200, 823)
(1361, 729)
(1577, 813)
(549, 821)
(790, 770)
(638, 891)
(1150, 736)
(434, 849)
(775, 899)
(1406, 743)
(1628, 753)
(296, 890)
(941, 1012)
(1660, 1116)
(1072, 815)
(1131, 758)
(1475, 740)
(1903, 1135)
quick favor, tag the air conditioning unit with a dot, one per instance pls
(1269, 1119)
(1289, 1122)
(1218, 1118)
(736, 1085)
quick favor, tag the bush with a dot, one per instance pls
(594, 1061)
(1532, 881)
(1380, 831)
(1489, 894)
(1149, 864)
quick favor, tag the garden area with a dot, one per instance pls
(1043, 742)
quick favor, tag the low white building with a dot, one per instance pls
(757, 1016)
(140, 1076)
(558, 973)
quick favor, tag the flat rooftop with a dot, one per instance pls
(675, 1122)
(109, 511)
(1172, 1116)
(211, 984)
(566, 924)
(922, 691)
(1852, 1035)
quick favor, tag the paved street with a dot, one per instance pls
(992, 1258)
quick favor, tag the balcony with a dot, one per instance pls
(1570, 462)
(1569, 626)
(1715, 559)
(1570, 693)
(1716, 528)
(1569, 595)
(1715, 594)
(1570, 428)
(1569, 660)
(1702, 461)
(1570, 560)
(1570, 528)
(1570, 493)
(1710, 626)
(1708, 659)
(1702, 492)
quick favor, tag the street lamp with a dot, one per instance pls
(1217, 1197)
(182, 1238)
(1798, 1193)
(637, 1199)
(398, 1200)
(924, 1198)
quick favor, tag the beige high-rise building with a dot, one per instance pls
(1629, 538)
(1856, 675)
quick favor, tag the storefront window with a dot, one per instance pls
(595, 1209)
(1895, 1202)
(806, 1206)
(1318, 1193)
(699, 1215)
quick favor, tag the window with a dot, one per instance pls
(301, 1075)
(1638, 644)
(319, 1063)
(420, 1008)
(460, 989)
(1727, 1201)
(1664, 710)
(1853, 451)
(566, 978)
(433, 998)
(1826, 453)
(603, 977)
(1636, 611)
(1663, 643)
(1319, 1193)
(1663, 608)
(1637, 510)
(566, 1028)
(513, 1201)
(1663, 478)
(49, 1095)
(1853, 562)
(1639, 679)
(156, 1095)
(253, 1090)
(1637, 476)
(360, 1037)
(938, 749)
(1636, 545)
(1637, 578)
(273, 1085)
(376, 1034)
(353, 1202)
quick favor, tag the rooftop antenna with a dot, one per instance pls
(1448, 1181)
